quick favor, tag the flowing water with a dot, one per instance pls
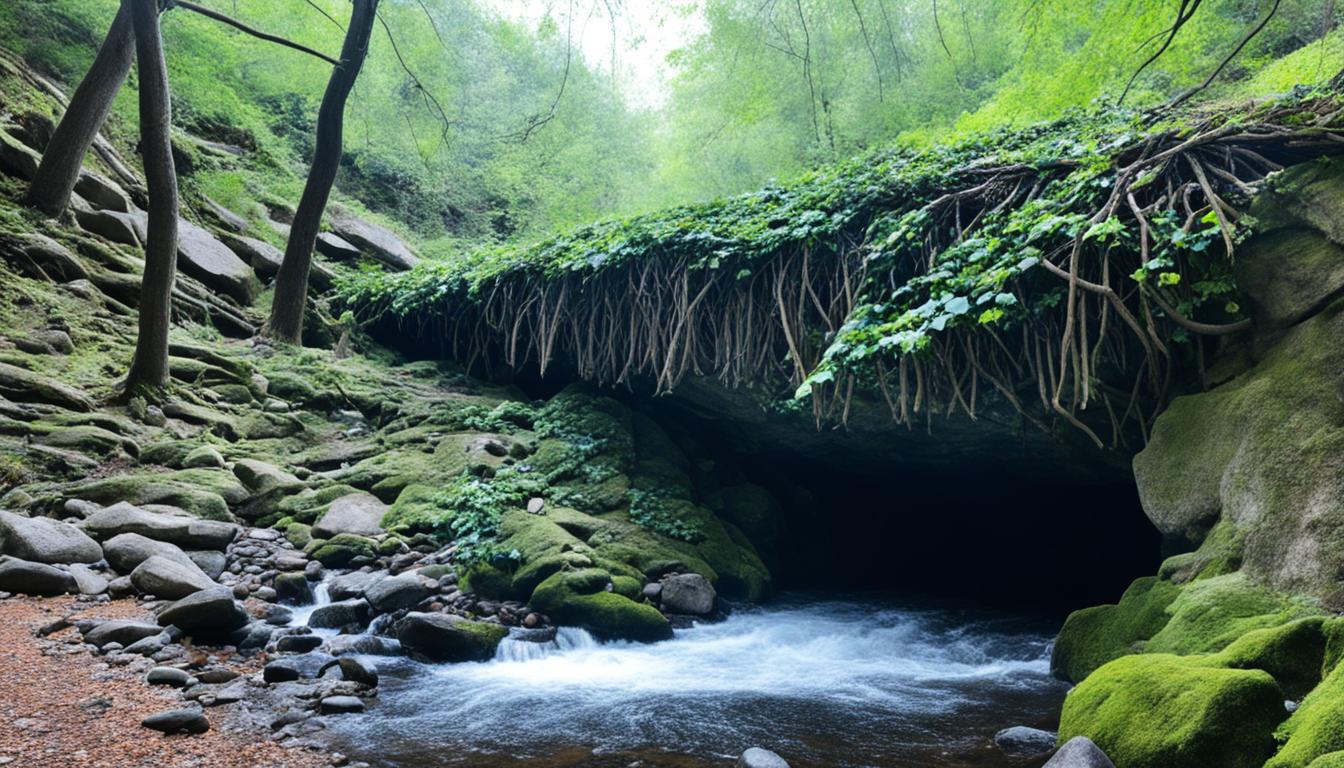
(824, 682)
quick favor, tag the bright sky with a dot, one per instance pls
(644, 33)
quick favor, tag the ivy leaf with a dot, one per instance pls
(958, 306)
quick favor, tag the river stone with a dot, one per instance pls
(377, 241)
(89, 581)
(209, 612)
(351, 585)
(171, 676)
(341, 614)
(186, 532)
(445, 637)
(178, 721)
(1021, 741)
(760, 758)
(170, 579)
(298, 643)
(366, 645)
(305, 666)
(355, 670)
(338, 705)
(396, 593)
(213, 563)
(43, 540)
(127, 550)
(357, 513)
(293, 588)
(1080, 752)
(30, 578)
(120, 631)
(688, 593)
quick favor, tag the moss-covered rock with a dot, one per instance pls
(1290, 653)
(1094, 636)
(1164, 711)
(206, 493)
(340, 550)
(580, 598)
(1208, 615)
(1317, 727)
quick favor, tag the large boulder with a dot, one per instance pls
(184, 531)
(336, 247)
(396, 593)
(340, 614)
(360, 514)
(1166, 711)
(209, 613)
(127, 550)
(169, 579)
(264, 257)
(1080, 752)
(583, 598)
(102, 192)
(28, 578)
(377, 241)
(264, 477)
(120, 631)
(687, 593)
(445, 637)
(43, 540)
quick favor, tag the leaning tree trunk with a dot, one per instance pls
(291, 283)
(50, 189)
(149, 370)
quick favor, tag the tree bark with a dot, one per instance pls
(291, 283)
(51, 187)
(149, 369)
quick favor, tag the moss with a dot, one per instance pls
(1163, 711)
(200, 492)
(627, 586)
(1209, 614)
(1333, 631)
(299, 534)
(416, 510)
(341, 549)
(1093, 636)
(486, 580)
(576, 597)
(1219, 555)
(1290, 653)
(1332, 760)
(1316, 728)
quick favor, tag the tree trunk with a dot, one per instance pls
(61, 163)
(149, 370)
(291, 283)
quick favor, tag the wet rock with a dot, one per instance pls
(367, 645)
(1080, 752)
(170, 676)
(43, 540)
(360, 514)
(396, 593)
(307, 666)
(185, 532)
(120, 631)
(337, 705)
(210, 612)
(293, 588)
(178, 721)
(377, 241)
(1021, 741)
(760, 758)
(169, 579)
(341, 614)
(355, 670)
(688, 593)
(298, 643)
(28, 578)
(445, 637)
(350, 585)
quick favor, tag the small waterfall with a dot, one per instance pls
(514, 648)
(301, 613)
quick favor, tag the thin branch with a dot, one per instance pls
(240, 26)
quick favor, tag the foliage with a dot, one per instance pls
(656, 510)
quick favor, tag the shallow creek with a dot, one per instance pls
(824, 682)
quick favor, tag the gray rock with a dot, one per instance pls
(79, 508)
(1080, 752)
(178, 721)
(263, 477)
(211, 562)
(397, 593)
(89, 581)
(350, 585)
(16, 158)
(112, 225)
(147, 646)
(210, 612)
(170, 676)
(355, 670)
(184, 531)
(28, 578)
(264, 257)
(365, 645)
(225, 217)
(760, 758)
(337, 705)
(120, 631)
(43, 540)
(336, 248)
(127, 550)
(102, 192)
(298, 643)
(307, 666)
(170, 579)
(54, 259)
(341, 614)
(206, 456)
(379, 242)
(1021, 741)
(688, 593)
(293, 588)
(203, 257)
(445, 637)
(356, 513)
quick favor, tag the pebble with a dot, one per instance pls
(177, 678)
(337, 705)
(178, 721)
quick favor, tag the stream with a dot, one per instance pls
(822, 681)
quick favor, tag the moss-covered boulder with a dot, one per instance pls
(445, 637)
(585, 598)
(340, 550)
(1164, 711)
(1094, 636)
(1291, 653)
(1208, 615)
(1316, 729)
